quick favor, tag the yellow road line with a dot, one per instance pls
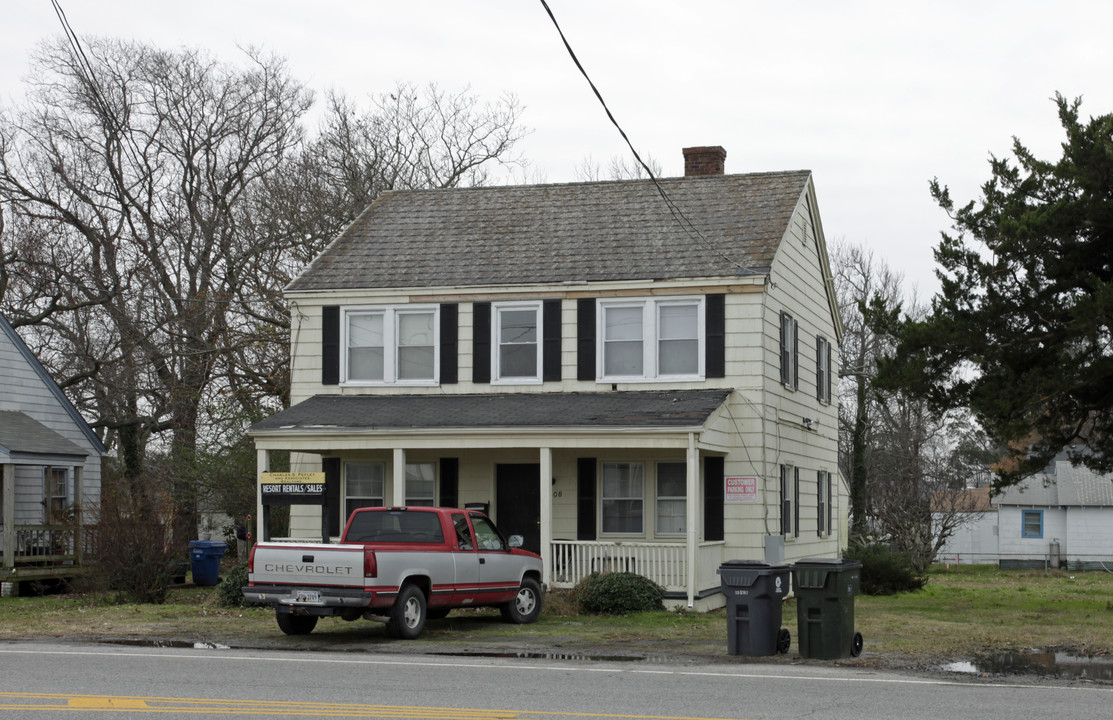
(279, 707)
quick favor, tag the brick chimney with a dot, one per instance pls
(699, 161)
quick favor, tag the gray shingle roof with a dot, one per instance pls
(1069, 485)
(659, 409)
(22, 434)
(601, 231)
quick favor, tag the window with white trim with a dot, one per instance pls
(623, 498)
(517, 346)
(672, 498)
(364, 485)
(56, 492)
(651, 339)
(421, 484)
(390, 345)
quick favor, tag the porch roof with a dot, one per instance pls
(21, 436)
(659, 409)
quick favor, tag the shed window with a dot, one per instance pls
(1031, 523)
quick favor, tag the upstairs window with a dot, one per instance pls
(392, 345)
(651, 339)
(822, 369)
(517, 353)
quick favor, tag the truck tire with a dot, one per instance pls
(407, 615)
(295, 624)
(526, 605)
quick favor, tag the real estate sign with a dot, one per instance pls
(740, 490)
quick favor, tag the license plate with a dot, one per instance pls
(307, 596)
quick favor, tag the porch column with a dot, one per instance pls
(7, 475)
(262, 465)
(399, 493)
(546, 514)
(692, 507)
(78, 519)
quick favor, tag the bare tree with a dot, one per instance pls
(138, 161)
(620, 167)
(898, 453)
(155, 204)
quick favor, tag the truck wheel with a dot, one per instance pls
(526, 605)
(296, 624)
(407, 615)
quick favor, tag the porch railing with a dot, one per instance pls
(664, 563)
(42, 544)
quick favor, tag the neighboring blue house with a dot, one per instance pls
(51, 469)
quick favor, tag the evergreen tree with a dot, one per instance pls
(1022, 329)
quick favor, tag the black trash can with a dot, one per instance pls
(755, 591)
(205, 557)
(825, 590)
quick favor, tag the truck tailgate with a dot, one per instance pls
(308, 564)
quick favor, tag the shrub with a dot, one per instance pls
(134, 554)
(228, 592)
(885, 571)
(618, 594)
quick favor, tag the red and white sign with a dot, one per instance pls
(740, 490)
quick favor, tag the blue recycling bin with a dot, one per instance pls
(205, 558)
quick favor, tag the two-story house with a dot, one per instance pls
(633, 375)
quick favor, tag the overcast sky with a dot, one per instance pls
(875, 98)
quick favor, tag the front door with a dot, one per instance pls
(518, 502)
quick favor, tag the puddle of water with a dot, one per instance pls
(173, 644)
(1037, 662)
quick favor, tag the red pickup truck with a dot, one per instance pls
(401, 564)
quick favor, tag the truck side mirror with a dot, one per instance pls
(515, 541)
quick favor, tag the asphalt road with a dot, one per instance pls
(63, 680)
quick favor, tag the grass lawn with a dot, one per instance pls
(961, 611)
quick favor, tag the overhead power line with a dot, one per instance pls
(685, 223)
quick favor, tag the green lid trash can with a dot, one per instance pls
(825, 590)
(755, 591)
(205, 558)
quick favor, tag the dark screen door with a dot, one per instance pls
(518, 502)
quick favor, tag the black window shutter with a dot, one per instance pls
(550, 358)
(331, 517)
(795, 355)
(585, 498)
(450, 332)
(330, 345)
(715, 334)
(481, 342)
(819, 372)
(713, 498)
(796, 502)
(585, 339)
(784, 353)
(830, 375)
(450, 482)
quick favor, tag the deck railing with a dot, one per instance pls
(664, 563)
